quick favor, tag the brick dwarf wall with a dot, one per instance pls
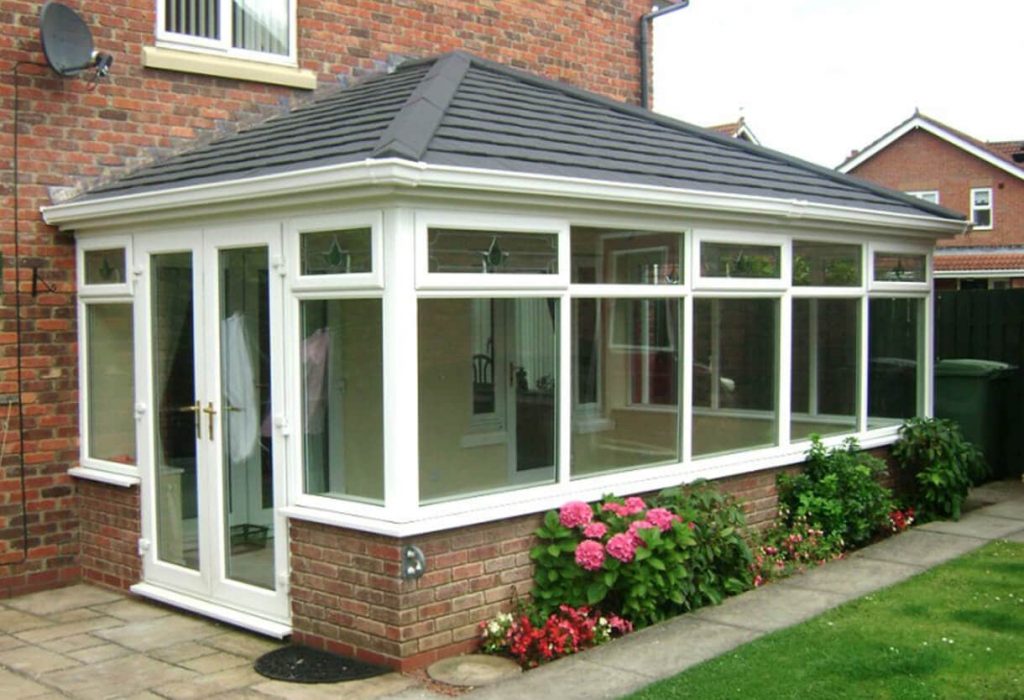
(73, 134)
(109, 530)
(348, 596)
(920, 160)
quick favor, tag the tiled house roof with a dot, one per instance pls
(957, 260)
(462, 111)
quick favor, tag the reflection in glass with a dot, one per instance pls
(336, 252)
(826, 264)
(825, 349)
(900, 267)
(463, 452)
(105, 266)
(342, 399)
(618, 256)
(894, 350)
(740, 261)
(735, 374)
(625, 364)
(176, 409)
(246, 423)
(110, 382)
(492, 252)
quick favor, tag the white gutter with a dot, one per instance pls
(400, 173)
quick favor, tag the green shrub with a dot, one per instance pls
(791, 545)
(943, 463)
(839, 492)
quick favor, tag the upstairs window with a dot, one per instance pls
(255, 27)
(927, 195)
(981, 207)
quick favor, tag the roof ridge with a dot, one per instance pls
(410, 132)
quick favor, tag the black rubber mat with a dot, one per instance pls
(305, 665)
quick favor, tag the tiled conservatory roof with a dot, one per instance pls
(460, 110)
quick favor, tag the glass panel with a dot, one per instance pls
(260, 25)
(176, 410)
(740, 261)
(825, 349)
(982, 218)
(900, 267)
(105, 266)
(735, 374)
(825, 265)
(894, 342)
(462, 453)
(193, 17)
(618, 256)
(246, 422)
(336, 252)
(625, 365)
(342, 398)
(489, 252)
(110, 382)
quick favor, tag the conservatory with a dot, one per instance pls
(500, 295)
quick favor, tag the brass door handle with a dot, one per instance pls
(210, 412)
(194, 410)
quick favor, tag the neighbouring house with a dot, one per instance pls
(984, 180)
(737, 130)
(330, 368)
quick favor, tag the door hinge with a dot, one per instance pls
(277, 262)
(281, 423)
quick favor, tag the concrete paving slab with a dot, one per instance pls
(1018, 537)
(117, 677)
(147, 635)
(1010, 509)
(852, 578)
(212, 663)
(70, 629)
(132, 610)
(76, 642)
(919, 548)
(770, 608)
(473, 670)
(9, 642)
(103, 652)
(369, 689)
(977, 525)
(572, 678)
(182, 651)
(203, 686)
(14, 686)
(73, 615)
(62, 599)
(243, 643)
(12, 621)
(669, 647)
(34, 661)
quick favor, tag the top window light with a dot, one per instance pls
(622, 256)
(254, 28)
(826, 264)
(740, 261)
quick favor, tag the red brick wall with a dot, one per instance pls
(72, 134)
(110, 531)
(922, 161)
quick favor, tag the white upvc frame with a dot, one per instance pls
(878, 247)
(223, 45)
(85, 244)
(497, 223)
(294, 229)
(724, 237)
(991, 209)
(811, 290)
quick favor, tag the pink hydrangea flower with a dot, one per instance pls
(595, 530)
(635, 504)
(575, 514)
(662, 518)
(635, 527)
(590, 555)
(616, 508)
(622, 546)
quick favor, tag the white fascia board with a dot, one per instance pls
(979, 274)
(399, 174)
(931, 128)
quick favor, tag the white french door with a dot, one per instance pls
(211, 346)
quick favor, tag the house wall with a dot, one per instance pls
(73, 134)
(920, 160)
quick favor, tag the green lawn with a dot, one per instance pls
(956, 631)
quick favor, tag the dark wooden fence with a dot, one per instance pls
(988, 325)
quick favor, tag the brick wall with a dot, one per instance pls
(110, 530)
(922, 161)
(72, 134)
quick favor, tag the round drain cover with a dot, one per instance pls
(305, 665)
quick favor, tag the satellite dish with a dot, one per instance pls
(67, 41)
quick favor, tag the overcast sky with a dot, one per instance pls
(819, 78)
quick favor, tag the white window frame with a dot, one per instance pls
(296, 227)
(818, 291)
(118, 289)
(702, 282)
(222, 46)
(888, 248)
(925, 195)
(990, 208)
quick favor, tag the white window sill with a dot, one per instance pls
(227, 67)
(104, 477)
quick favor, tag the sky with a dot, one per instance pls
(820, 78)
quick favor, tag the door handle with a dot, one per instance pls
(210, 412)
(194, 410)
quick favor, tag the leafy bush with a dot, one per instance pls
(564, 632)
(645, 562)
(943, 463)
(839, 493)
(790, 546)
